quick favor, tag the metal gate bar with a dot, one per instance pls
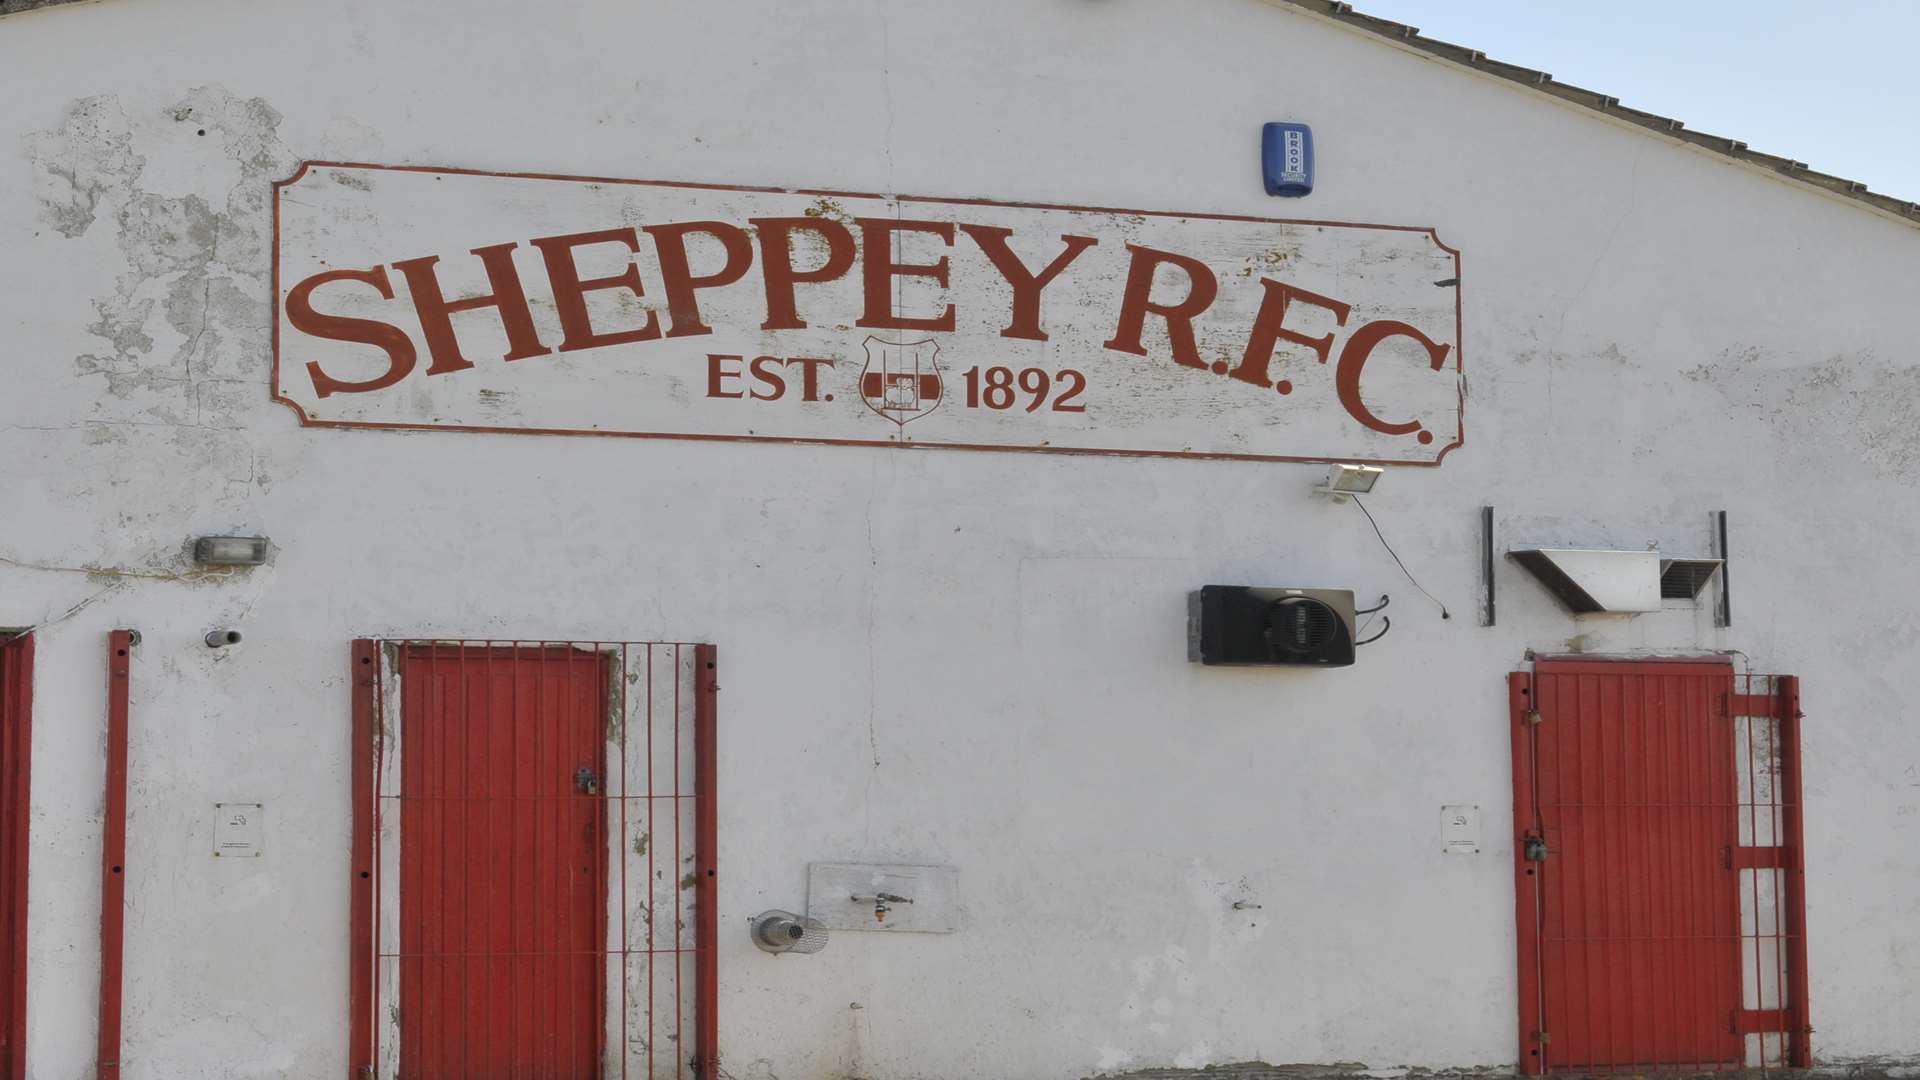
(653, 908)
(1772, 1019)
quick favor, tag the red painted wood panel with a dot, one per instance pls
(1633, 772)
(502, 862)
(16, 743)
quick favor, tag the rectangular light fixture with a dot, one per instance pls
(1353, 479)
(230, 550)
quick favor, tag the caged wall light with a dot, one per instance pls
(230, 550)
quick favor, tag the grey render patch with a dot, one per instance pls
(14, 7)
(186, 323)
(1851, 406)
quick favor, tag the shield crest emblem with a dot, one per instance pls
(902, 378)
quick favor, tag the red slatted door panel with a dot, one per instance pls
(503, 869)
(16, 741)
(1640, 921)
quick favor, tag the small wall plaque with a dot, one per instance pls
(1460, 829)
(239, 830)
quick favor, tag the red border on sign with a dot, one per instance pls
(1460, 436)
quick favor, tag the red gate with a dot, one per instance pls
(1657, 861)
(534, 873)
(16, 751)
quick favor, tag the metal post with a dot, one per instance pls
(113, 855)
(707, 887)
(1486, 558)
(1725, 611)
(1799, 1029)
(1526, 880)
(360, 969)
(16, 751)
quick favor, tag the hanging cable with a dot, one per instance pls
(1444, 613)
(1386, 624)
(1369, 613)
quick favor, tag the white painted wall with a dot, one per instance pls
(983, 650)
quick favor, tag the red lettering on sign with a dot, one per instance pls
(810, 376)
(1268, 329)
(879, 269)
(570, 292)
(776, 263)
(678, 280)
(762, 371)
(1136, 303)
(1025, 283)
(1353, 359)
(385, 336)
(436, 311)
(715, 373)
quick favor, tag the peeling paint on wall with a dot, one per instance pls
(199, 269)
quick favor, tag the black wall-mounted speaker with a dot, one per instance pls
(1237, 624)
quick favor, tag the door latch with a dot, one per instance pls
(586, 780)
(1534, 849)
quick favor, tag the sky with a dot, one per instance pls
(1833, 84)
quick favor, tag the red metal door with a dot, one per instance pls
(1638, 948)
(16, 743)
(503, 868)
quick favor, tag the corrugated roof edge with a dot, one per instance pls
(1343, 14)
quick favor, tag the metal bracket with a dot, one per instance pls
(882, 903)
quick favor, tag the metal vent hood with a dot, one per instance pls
(1589, 580)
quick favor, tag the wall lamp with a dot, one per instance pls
(1345, 481)
(230, 550)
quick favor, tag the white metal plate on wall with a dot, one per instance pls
(239, 830)
(933, 889)
(1460, 829)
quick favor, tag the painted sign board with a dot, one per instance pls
(432, 298)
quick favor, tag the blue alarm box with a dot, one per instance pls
(1286, 152)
